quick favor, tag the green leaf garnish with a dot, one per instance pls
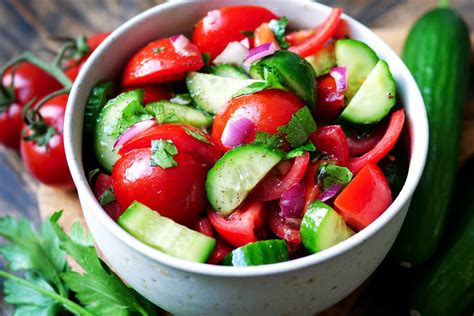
(300, 127)
(300, 150)
(158, 50)
(278, 27)
(249, 34)
(272, 80)
(200, 137)
(268, 139)
(163, 151)
(163, 115)
(91, 175)
(107, 197)
(330, 174)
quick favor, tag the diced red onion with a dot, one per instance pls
(245, 42)
(330, 192)
(340, 76)
(133, 131)
(237, 131)
(260, 52)
(292, 201)
(181, 45)
(233, 54)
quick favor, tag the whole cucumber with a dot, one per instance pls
(446, 286)
(437, 52)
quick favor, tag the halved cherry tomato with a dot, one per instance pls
(330, 102)
(153, 92)
(244, 225)
(361, 144)
(332, 141)
(160, 61)
(203, 225)
(177, 192)
(267, 109)
(312, 191)
(322, 34)
(383, 146)
(221, 249)
(47, 163)
(208, 152)
(286, 229)
(366, 197)
(220, 27)
(263, 35)
(298, 37)
(102, 184)
(274, 185)
(29, 82)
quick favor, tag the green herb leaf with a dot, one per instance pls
(158, 50)
(249, 34)
(107, 197)
(163, 115)
(278, 27)
(300, 127)
(163, 151)
(300, 150)
(268, 139)
(271, 79)
(28, 251)
(91, 175)
(330, 174)
(98, 288)
(196, 135)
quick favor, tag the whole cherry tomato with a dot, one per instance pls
(177, 192)
(220, 27)
(29, 82)
(267, 109)
(47, 162)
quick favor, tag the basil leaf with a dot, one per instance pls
(196, 135)
(300, 150)
(163, 151)
(271, 79)
(330, 174)
(278, 28)
(300, 127)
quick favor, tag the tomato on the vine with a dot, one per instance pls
(30, 83)
(43, 155)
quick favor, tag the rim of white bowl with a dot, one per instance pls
(419, 146)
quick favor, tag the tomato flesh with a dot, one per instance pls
(332, 141)
(330, 101)
(365, 198)
(220, 27)
(160, 61)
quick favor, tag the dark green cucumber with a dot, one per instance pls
(164, 234)
(446, 286)
(437, 52)
(98, 97)
(258, 253)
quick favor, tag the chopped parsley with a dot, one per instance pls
(196, 135)
(249, 34)
(163, 151)
(107, 197)
(330, 174)
(299, 128)
(300, 150)
(158, 50)
(278, 28)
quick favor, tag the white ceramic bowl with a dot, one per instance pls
(301, 287)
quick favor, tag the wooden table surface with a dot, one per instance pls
(28, 25)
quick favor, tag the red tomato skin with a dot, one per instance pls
(208, 153)
(203, 225)
(221, 249)
(330, 102)
(332, 141)
(220, 27)
(153, 92)
(177, 192)
(286, 230)
(365, 198)
(29, 82)
(102, 184)
(159, 62)
(267, 109)
(312, 191)
(48, 164)
(244, 225)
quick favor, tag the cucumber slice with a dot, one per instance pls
(117, 115)
(322, 228)
(258, 253)
(375, 98)
(164, 234)
(229, 71)
(323, 60)
(100, 94)
(359, 59)
(237, 173)
(179, 113)
(211, 92)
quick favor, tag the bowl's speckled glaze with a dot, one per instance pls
(303, 286)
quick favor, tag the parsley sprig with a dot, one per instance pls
(48, 286)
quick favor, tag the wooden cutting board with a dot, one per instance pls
(51, 200)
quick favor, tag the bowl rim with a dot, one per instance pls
(419, 147)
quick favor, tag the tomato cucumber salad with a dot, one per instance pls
(247, 143)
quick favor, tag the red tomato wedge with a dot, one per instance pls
(287, 229)
(244, 225)
(383, 146)
(322, 34)
(162, 61)
(273, 186)
(358, 146)
(332, 141)
(221, 249)
(220, 27)
(366, 197)
(330, 102)
(208, 152)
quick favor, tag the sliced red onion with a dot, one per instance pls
(181, 44)
(245, 42)
(340, 76)
(292, 201)
(133, 131)
(237, 131)
(260, 52)
(233, 54)
(330, 192)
